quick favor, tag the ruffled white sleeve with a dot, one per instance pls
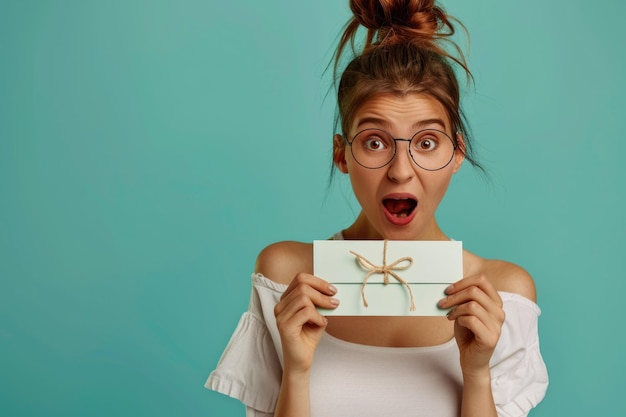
(250, 369)
(519, 378)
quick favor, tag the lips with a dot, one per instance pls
(399, 209)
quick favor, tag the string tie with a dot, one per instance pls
(386, 270)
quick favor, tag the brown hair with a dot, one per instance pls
(403, 54)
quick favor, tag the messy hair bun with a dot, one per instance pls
(391, 22)
(420, 17)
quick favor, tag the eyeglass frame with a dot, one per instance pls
(395, 148)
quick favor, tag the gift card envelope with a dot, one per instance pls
(388, 278)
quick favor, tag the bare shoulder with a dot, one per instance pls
(505, 276)
(510, 277)
(281, 261)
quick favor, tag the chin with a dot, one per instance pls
(399, 233)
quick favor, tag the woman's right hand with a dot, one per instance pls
(299, 323)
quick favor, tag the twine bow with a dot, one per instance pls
(386, 270)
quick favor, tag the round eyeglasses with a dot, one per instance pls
(430, 149)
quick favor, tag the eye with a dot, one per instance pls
(374, 143)
(427, 143)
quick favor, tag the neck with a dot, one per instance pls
(362, 229)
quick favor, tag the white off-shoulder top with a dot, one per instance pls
(349, 379)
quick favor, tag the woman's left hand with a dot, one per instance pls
(478, 317)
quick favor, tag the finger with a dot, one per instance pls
(473, 301)
(295, 319)
(473, 293)
(481, 281)
(485, 294)
(295, 302)
(312, 281)
(310, 315)
(483, 335)
(485, 326)
(303, 295)
(473, 308)
(296, 314)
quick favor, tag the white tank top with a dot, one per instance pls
(385, 381)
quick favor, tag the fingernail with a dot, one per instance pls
(448, 288)
(332, 289)
(442, 302)
(334, 302)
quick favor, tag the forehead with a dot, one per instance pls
(401, 114)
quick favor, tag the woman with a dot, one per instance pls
(403, 138)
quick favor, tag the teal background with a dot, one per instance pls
(150, 149)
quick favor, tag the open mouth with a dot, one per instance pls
(400, 207)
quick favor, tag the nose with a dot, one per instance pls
(401, 168)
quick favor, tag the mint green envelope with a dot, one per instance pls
(417, 273)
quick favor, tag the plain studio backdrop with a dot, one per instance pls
(150, 149)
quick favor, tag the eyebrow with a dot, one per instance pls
(387, 125)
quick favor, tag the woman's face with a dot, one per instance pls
(398, 200)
